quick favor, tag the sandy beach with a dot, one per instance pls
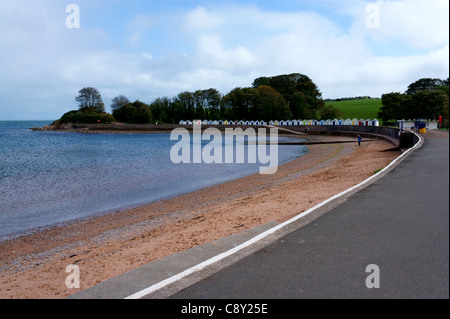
(34, 266)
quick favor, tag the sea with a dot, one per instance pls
(50, 178)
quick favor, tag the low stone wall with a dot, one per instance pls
(390, 134)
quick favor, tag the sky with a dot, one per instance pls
(150, 49)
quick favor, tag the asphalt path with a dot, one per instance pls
(389, 240)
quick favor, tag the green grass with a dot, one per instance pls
(358, 109)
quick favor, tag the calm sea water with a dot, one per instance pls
(47, 178)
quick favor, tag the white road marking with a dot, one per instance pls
(213, 260)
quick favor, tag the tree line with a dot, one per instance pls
(283, 97)
(427, 98)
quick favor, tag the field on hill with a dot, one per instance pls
(358, 109)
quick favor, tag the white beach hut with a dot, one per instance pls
(432, 124)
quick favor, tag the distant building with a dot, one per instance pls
(410, 125)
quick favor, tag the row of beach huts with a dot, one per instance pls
(341, 122)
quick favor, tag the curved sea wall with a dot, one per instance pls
(391, 134)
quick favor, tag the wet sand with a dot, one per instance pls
(34, 266)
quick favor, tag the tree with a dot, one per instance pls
(213, 101)
(186, 101)
(237, 103)
(299, 91)
(394, 107)
(199, 104)
(444, 87)
(428, 104)
(118, 102)
(424, 104)
(90, 100)
(86, 118)
(136, 113)
(428, 99)
(330, 112)
(424, 84)
(162, 110)
(269, 104)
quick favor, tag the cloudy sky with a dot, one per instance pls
(149, 49)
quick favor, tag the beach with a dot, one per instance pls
(34, 265)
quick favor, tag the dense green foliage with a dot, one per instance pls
(90, 100)
(424, 99)
(91, 109)
(119, 102)
(282, 97)
(292, 96)
(427, 84)
(86, 117)
(136, 113)
(299, 91)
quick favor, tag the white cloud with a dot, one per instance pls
(416, 23)
(200, 20)
(137, 27)
(210, 52)
(44, 64)
(342, 62)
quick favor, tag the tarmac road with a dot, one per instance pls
(400, 224)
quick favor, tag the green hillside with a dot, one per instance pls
(358, 109)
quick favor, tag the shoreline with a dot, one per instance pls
(122, 128)
(125, 206)
(103, 247)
